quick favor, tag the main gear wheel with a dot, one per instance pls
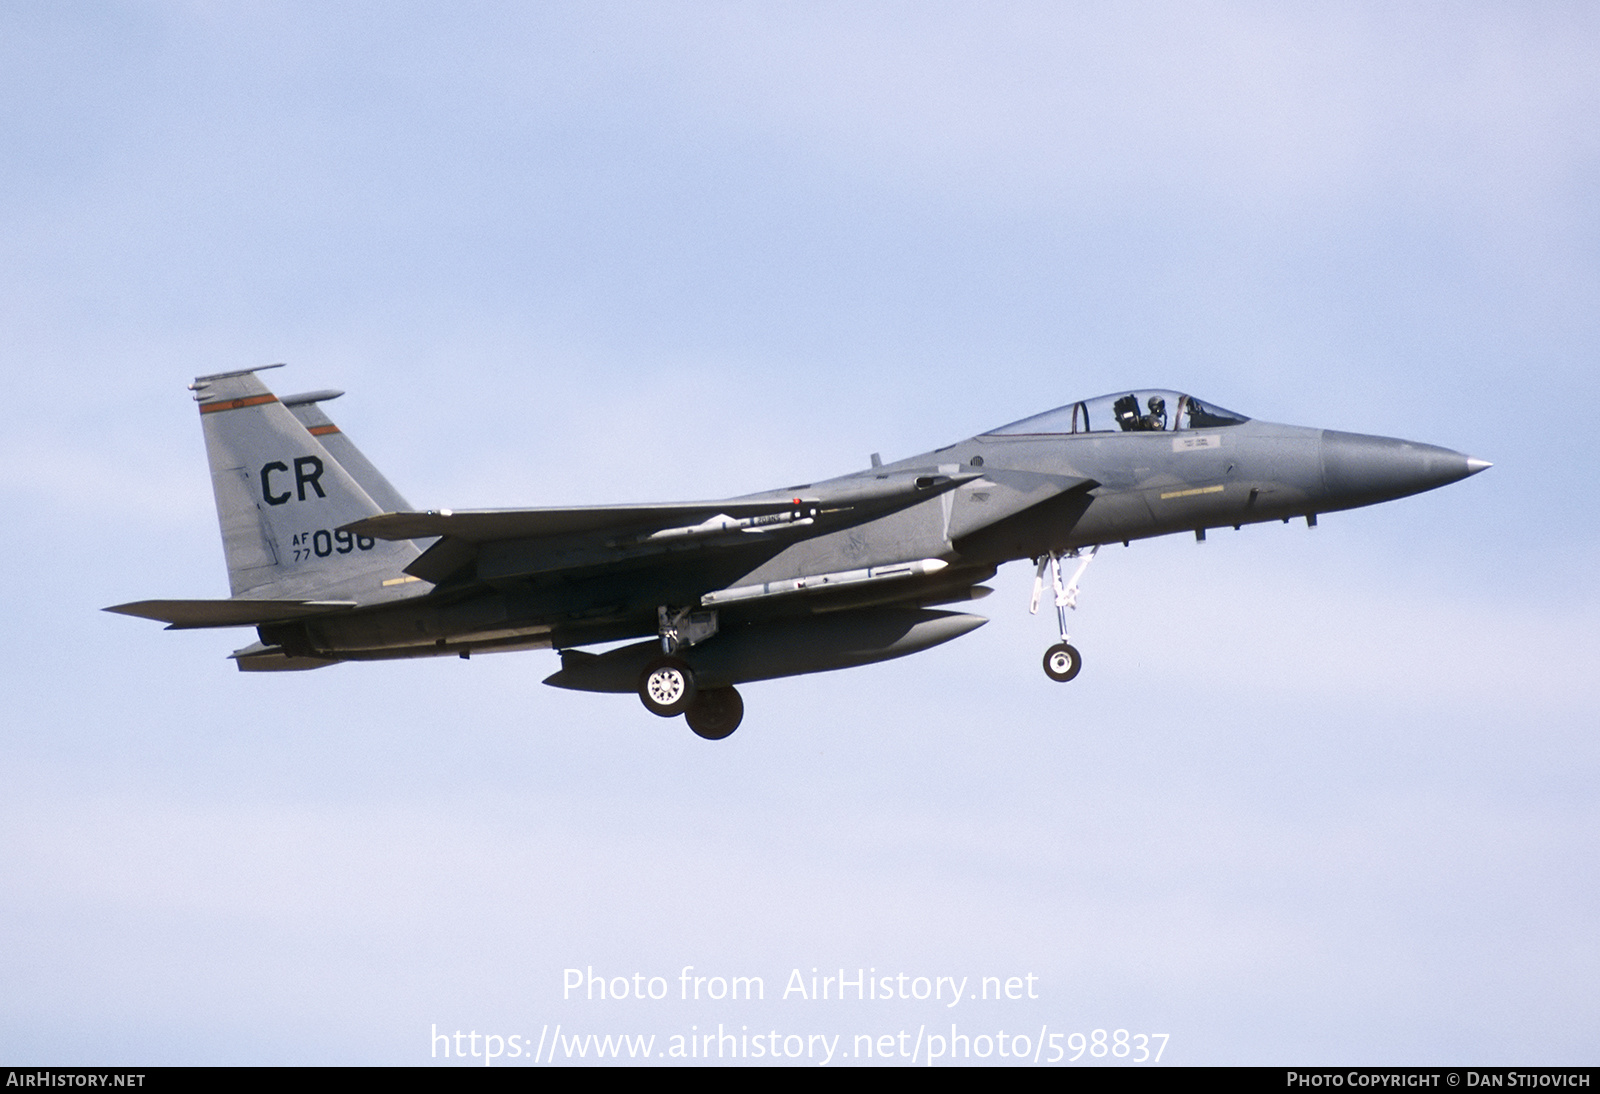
(715, 713)
(666, 686)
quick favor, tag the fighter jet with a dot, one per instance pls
(329, 563)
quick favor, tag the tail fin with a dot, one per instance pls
(282, 498)
(309, 413)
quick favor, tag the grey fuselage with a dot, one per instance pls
(955, 514)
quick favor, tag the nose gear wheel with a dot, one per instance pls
(1062, 662)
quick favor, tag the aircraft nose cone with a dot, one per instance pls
(1360, 469)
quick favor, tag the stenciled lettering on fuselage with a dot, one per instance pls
(307, 472)
(322, 543)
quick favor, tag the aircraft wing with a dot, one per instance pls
(488, 525)
(557, 538)
(190, 614)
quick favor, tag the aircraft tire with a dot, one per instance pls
(715, 713)
(666, 686)
(1062, 662)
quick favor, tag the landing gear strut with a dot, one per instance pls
(1061, 661)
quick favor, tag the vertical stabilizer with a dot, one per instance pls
(282, 498)
(307, 409)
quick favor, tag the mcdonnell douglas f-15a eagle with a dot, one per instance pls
(329, 563)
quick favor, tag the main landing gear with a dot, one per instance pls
(667, 685)
(667, 688)
(1062, 661)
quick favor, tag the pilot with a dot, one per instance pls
(1157, 418)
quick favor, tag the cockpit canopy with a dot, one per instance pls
(1147, 411)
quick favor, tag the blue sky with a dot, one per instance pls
(1318, 797)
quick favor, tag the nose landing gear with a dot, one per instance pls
(1062, 661)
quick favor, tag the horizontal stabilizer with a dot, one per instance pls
(188, 614)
